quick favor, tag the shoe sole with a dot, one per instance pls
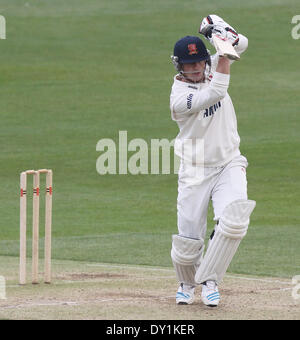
(184, 302)
(208, 304)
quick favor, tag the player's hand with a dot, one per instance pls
(214, 24)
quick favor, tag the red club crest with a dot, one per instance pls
(192, 49)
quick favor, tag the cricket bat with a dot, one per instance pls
(224, 47)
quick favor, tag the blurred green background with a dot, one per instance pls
(75, 71)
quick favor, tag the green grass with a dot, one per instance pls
(74, 72)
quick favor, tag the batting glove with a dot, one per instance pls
(214, 24)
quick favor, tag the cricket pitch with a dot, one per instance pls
(123, 292)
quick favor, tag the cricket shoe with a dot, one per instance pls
(210, 294)
(185, 294)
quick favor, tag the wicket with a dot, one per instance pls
(35, 225)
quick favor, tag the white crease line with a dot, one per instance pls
(91, 280)
(72, 303)
(146, 268)
(259, 280)
(48, 304)
(112, 278)
(129, 267)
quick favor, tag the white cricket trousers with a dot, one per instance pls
(198, 185)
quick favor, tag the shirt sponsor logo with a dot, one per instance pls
(189, 101)
(212, 109)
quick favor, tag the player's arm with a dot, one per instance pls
(191, 102)
(223, 66)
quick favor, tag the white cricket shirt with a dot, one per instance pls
(206, 118)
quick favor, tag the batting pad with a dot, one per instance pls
(186, 255)
(232, 227)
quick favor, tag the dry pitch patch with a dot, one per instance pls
(123, 292)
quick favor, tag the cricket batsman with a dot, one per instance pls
(211, 165)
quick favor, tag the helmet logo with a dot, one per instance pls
(192, 49)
